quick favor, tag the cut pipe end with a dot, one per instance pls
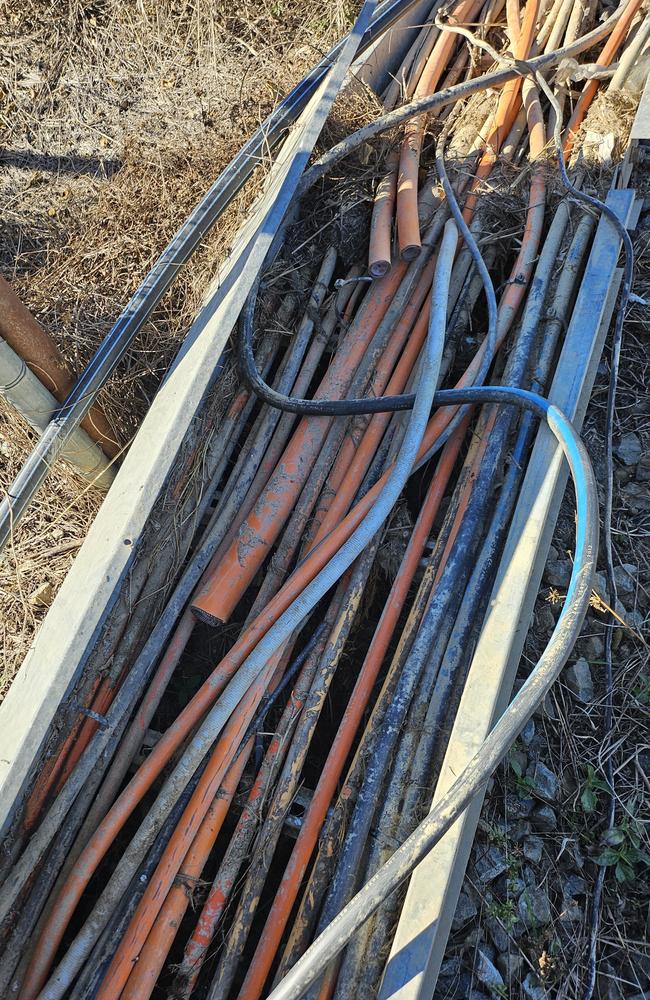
(378, 268)
(410, 252)
(204, 616)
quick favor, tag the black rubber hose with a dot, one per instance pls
(367, 405)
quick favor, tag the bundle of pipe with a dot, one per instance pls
(306, 481)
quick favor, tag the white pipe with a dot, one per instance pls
(20, 387)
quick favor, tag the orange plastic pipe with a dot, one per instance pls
(188, 827)
(355, 461)
(605, 57)
(352, 461)
(507, 106)
(222, 592)
(51, 770)
(214, 905)
(408, 226)
(151, 959)
(381, 223)
(313, 820)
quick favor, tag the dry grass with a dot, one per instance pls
(115, 119)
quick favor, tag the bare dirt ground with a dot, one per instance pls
(115, 118)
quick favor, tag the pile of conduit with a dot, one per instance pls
(214, 863)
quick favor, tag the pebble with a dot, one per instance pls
(545, 619)
(534, 908)
(465, 911)
(498, 934)
(450, 968)
(594, 648)
(544, 819)
(509, 965)
(579, 681)
(545, 781)
(635, 619)
(571, 912)
(516, 886)
(528, 733)
(558, 573)
(43, 596)
(456, 987)
(519, 808)
(548, 708)
(643, 469)
(629, 449)
(487, 973)
(489, 864)
(573, 885)
(530, 876)
(637, 496)
(624, 473)
(533, 848)
(522, 829)
(532, 989)
(625, 578)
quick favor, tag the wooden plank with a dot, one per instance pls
(425, 922)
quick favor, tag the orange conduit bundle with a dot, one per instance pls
(408, 229)
(209, 859)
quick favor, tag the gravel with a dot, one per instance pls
(489, 864)
(629, 449)
(465, 911)
(533, 849)
(544, 819)
(534, 908)
(487, 973)
(544, 780)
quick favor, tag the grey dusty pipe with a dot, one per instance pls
(29, 341)
(20, 387)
